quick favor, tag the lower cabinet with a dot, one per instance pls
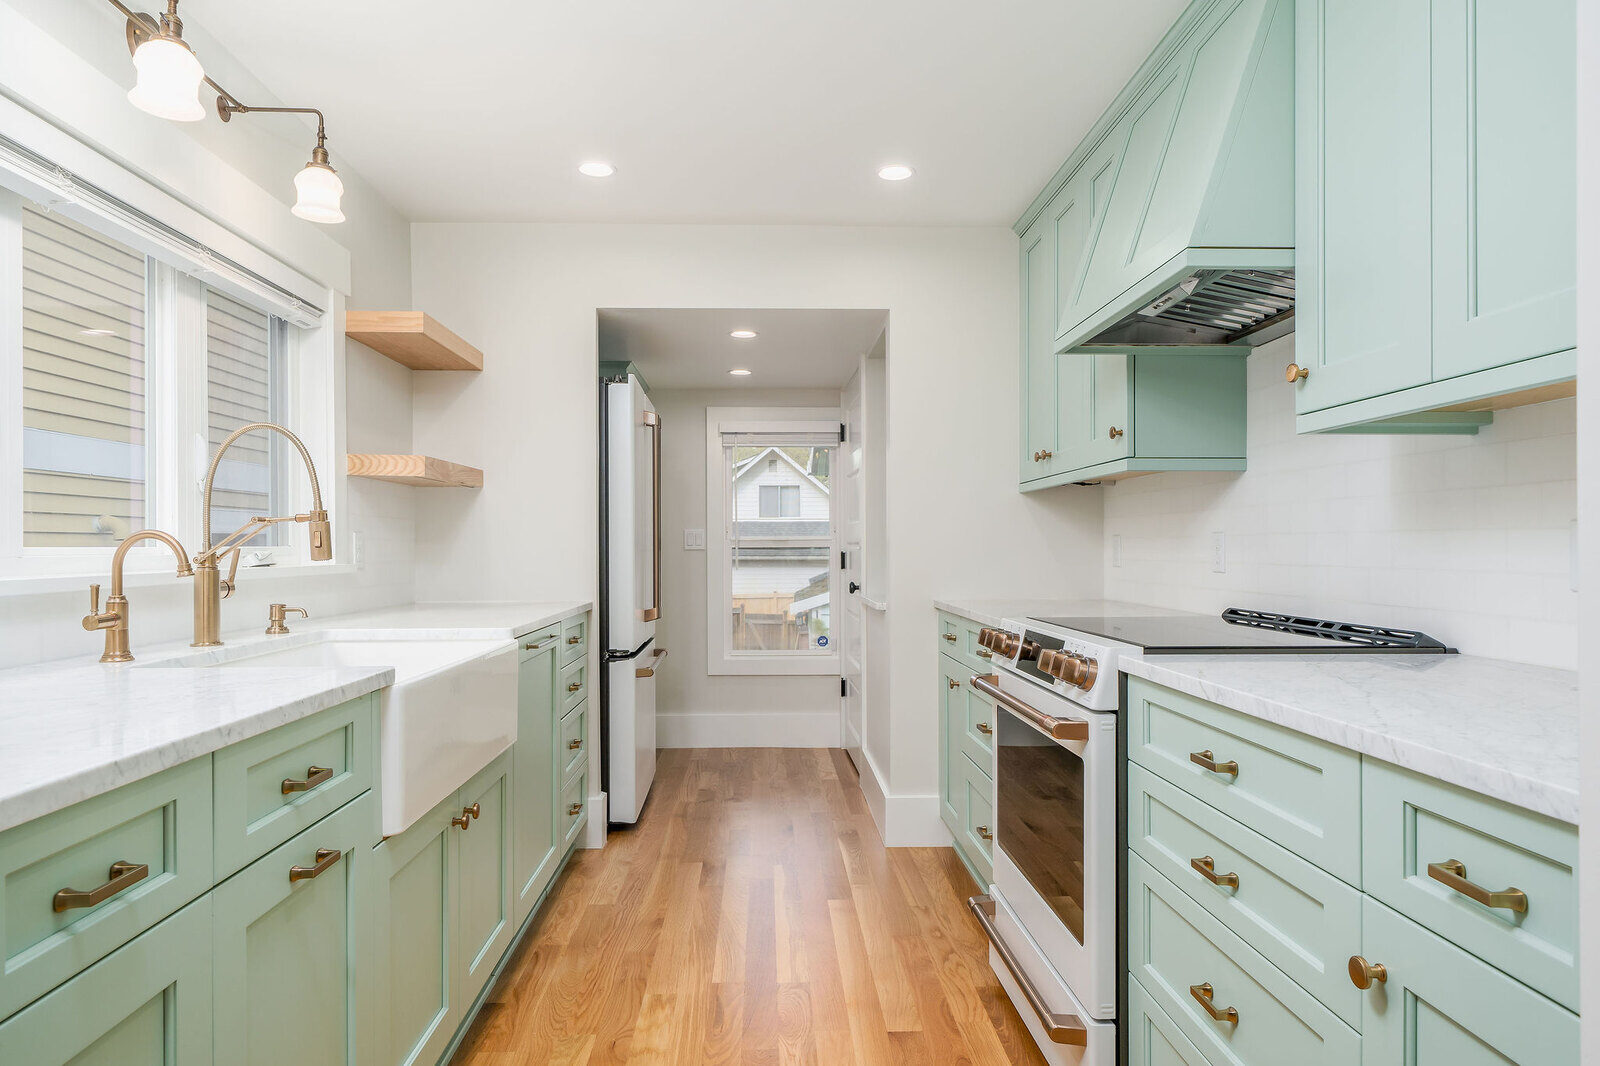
(966, 765)
(534, 849)
(291, 937)
(484, 851)
(146, 1004)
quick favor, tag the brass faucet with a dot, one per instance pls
(209, 586)
(114, 619)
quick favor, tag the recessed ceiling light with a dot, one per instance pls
(739, 372)
(743, 334)
(895, 172)
(97, 332)
(596, 169)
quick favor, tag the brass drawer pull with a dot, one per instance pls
(575, 686)
(1453, 875)
(123, 875)
(983, 831)
(1206, 760)
(540, 646)
(1364, 973)
(985, 653)
(574, 744)
(573, 809)
(952, 682)
(1206, 867)
(985, 728)
(474, 811)
(462, 820)
(1045, 456)
(574, 640)
(951, 637)
(326, 857)
(1202, 995)
(315, 775)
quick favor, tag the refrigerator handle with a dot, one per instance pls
(652, 422)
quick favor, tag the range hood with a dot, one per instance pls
(1192, 241)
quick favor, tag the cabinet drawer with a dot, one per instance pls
(973, 714)
(1415, 828)
(572, 684)
(273, 786)
(958, 637)
(574, 807)
(1153, 1039)
(162, 823)
(149, 1002)
(1303, 920)
(1300, 792)
(1175, 947)
(977, 816)
(574, 735)
(532, 644)
(574, 639)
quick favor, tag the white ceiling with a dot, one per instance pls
(750, 111)
(690, 348)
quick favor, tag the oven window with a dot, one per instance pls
(1040, 817)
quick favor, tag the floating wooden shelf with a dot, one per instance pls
(412, 339)
(422, 470)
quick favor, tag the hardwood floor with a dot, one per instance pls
(753, 917)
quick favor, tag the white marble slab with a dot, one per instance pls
(1503, 729)
(460, 621)
(995, 612)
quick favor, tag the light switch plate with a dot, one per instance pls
(1219, 553)
(694, 540)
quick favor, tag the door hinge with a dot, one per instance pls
(842, 436)
(844, 563)
(844, 687)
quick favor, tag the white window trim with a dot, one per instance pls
(720, 658)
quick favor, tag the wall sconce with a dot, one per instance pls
(170, 76)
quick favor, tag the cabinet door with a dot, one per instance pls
(1038, 347)
(484, 854)
(1440, 1004)
(292, 933)
(1112, 432)
(417, 914)
(1075, 296)
(146, 1004)
(952, 676)
(1362, 199)
(534, 844)
(1504, 182)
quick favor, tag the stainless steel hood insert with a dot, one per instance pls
(1212, 307)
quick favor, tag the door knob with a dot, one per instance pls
(854, 588)
(1364, 973)
(1115, 433)
(1295, 372)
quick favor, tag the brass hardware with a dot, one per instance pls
(1060, 1028)
(315, 776)
(1206, 760)
(652, 422)
(463, 821)
(208, 584)
(1036, 457)
(573, 809)
(1203, 994)
(575, 743)
(275, 617)
(1074, 669)
(574, 640)
(1046, 456)
(1206, 867)
(1453, 875)
(655, 661)
(1115, 433)
(985, 653)
(474, 811)
(539, 646)
(983, 831)
(326, 857)
(951, 637)
(1295, 372)
(985, 728)
(114, 619)
(123, 875)
(952, 682)
(1059, 728)
(1364, 973)
(575, 686)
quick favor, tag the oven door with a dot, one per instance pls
(1055, 865)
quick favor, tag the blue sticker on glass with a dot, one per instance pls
(822, 642)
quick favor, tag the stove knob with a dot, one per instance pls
(1058, 664)
(989, 638)
(1091, 670)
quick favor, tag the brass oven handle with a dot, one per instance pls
(123, 875)
(1206, 867)
(326, 857)
(1453, 875)
(1061, 1028)
(951, 637)
(1207, 761)
(315, 775)
(540, 646)
(575, 743)
(573, 809)
(985, 728)
(1364, 973)
(652, 422)
(1058, 728)
(983, 831)
(1202, 994)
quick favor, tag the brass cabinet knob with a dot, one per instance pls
(575, 743)
(575, 686)
(1046, 456)
(574, 640)
(1036, 457)
(983, 831)
(462, 821)
(951, 637)
(1295, 372)
(473, 811)
(952, 682)
(1364, 973)
(1115, 433)
(573, 809)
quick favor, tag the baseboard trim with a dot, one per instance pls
(872, 789)
(594, 834)
(753, 729)
(913, 822)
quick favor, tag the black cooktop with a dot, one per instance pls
(1238, 630)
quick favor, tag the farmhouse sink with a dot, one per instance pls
(451, 710)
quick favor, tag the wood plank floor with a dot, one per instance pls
(753, 917)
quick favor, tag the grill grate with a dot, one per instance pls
(1349, 632)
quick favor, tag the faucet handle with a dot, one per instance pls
(230, 584)
(97, 619)
(94, 599)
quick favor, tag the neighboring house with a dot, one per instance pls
(781, 539)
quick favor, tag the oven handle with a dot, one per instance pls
(1061, 1028)
(1049, 725)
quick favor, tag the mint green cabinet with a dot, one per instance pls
(146, 1004)
(1039, 440)
(966, 753)
(1439, 1004)
(292, 936)
(534, 827)
(952, 679)
(417, 914)
(485, 889)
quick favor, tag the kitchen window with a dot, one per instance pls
(772, 571)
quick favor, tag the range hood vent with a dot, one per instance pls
(1211, 307)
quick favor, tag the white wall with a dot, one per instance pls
(527, 294)
(1467, 538)
(1589, 504)
(266, 151)
(697, 708)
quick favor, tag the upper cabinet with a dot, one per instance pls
(1437, 198)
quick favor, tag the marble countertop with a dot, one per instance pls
(995, 612)
(73, 729)
(1502, 729)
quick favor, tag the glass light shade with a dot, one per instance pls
(169, 81)
(317, 192)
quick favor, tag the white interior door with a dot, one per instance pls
(852, 640)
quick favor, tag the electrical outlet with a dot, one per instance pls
(1219, 553)
(694, 540)
(1116, 549)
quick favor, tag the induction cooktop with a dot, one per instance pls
(1243, 631)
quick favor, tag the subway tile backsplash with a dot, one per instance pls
(1468, 538)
